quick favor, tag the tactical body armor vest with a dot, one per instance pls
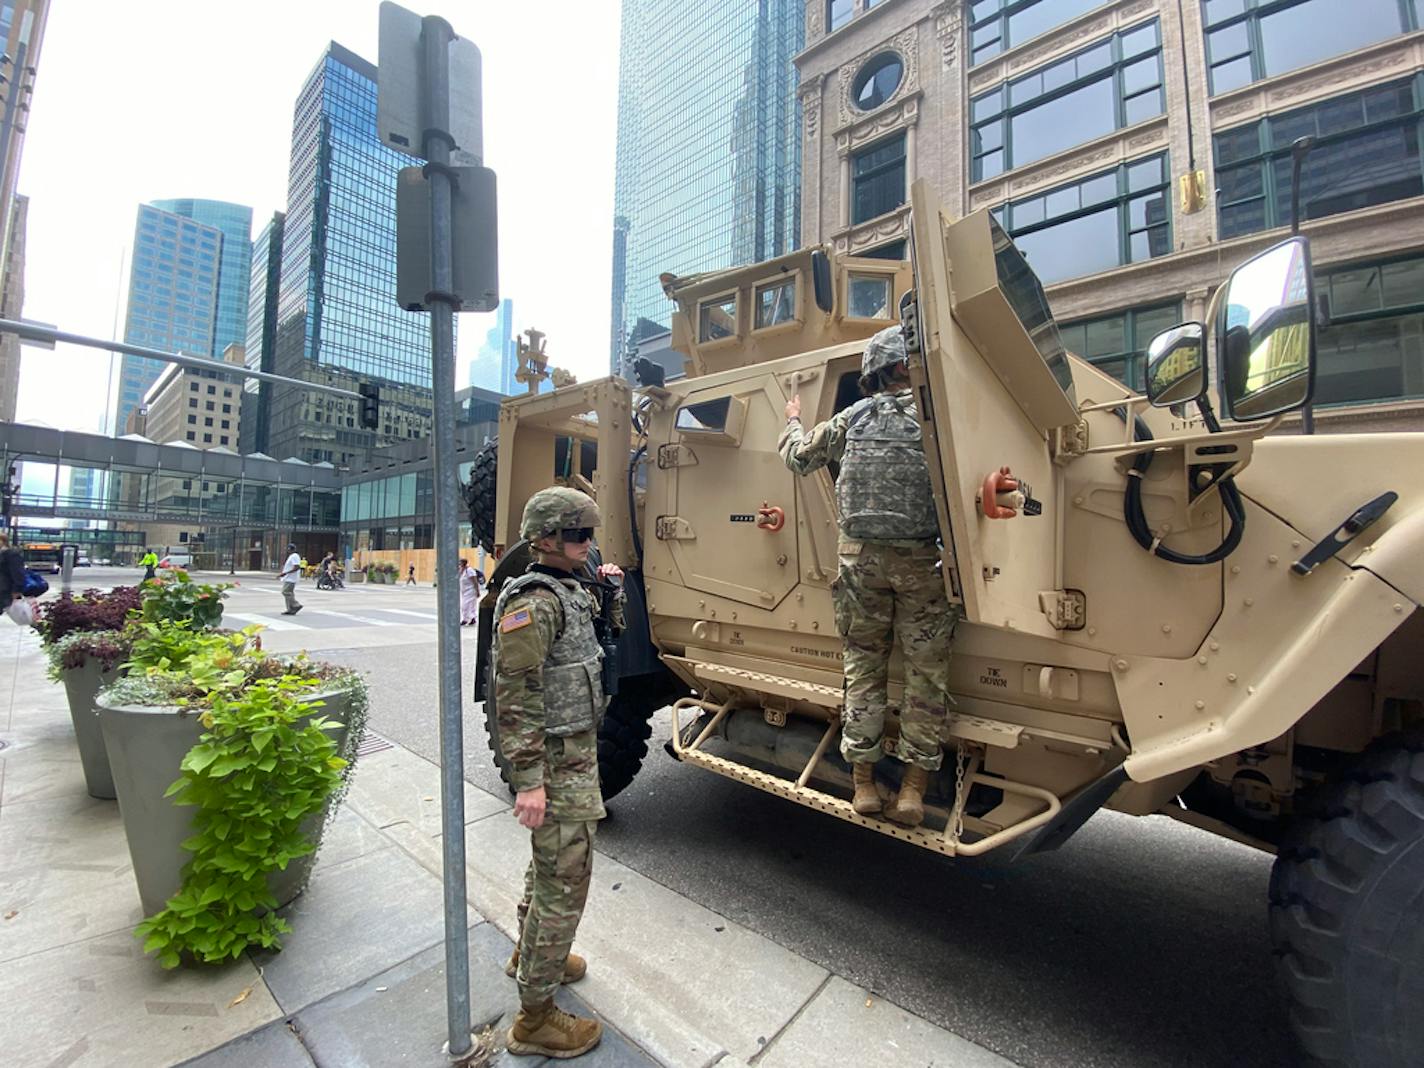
(883, 491)
(573, 686)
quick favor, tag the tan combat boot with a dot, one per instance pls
(551, 1032)
(574, 967)
(909, 807)
(866, 801)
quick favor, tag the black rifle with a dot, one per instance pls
(603, 628)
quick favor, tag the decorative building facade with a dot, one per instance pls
(337, 320)
(708, 163)
(1136, 150)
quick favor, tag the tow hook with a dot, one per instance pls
(1003, 496)
(770, 517)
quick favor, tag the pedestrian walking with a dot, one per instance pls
(291, 571)
(148, 562)
(469, 594)
(12, 572)
(549, 699)
(410, 576)
(889, 583)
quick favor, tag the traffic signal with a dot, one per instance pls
(370, 405)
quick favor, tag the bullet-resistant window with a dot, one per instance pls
(775, 303)
(717, 319)
(869, 296)
(708, 415)
(878, 179)
(877, 81)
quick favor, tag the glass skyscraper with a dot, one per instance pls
(261, 346)
(173, 292)
(709, 147)
(337, 317)
(494, 365)
(235, 222)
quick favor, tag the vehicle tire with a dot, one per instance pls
(480, 495)
(622, 737)
(1347, 912)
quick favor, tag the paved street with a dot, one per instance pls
(1141, 942)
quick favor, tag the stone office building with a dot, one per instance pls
(1136, 150)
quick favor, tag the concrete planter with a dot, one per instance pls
(82, 685)
(356, 576)
(146, 746)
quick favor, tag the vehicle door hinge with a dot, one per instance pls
(673, 528)
(1069, 442)
(675, 456)
(1065, 609)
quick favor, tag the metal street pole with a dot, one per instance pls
(442, 302)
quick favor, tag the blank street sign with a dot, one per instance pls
(400, 118)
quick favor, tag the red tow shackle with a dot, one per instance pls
(770, 517)
(995, 483)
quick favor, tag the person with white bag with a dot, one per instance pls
(12, 583)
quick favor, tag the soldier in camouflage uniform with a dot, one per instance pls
(549, 700)
(889, 583)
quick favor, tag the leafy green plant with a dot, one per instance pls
(255, 775)
(176, 598)
(177, 646)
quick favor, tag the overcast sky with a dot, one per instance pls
(137, 102)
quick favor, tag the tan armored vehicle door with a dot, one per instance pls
(722, 461)
(995, 380)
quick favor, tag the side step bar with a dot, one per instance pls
(944, 842)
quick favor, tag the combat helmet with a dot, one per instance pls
(558, 508)
(885, 349)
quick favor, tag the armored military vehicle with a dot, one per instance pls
(1162, 612)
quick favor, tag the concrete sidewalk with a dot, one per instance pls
(360, 981)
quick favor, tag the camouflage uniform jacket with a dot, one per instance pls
(826, 442)
(567, 766)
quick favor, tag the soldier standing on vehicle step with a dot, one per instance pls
(549, 701)
(889, 583)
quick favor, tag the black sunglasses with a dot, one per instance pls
(576, 534)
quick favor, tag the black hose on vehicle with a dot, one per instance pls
(1136, 519)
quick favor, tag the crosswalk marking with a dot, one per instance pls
(271, 622)
(371, 620)
(408, 612)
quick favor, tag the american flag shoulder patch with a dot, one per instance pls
(514, 620)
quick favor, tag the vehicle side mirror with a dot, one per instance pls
(1176, 365)
(1265, 333)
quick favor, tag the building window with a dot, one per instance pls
(192, 402)
(1117, 344)
(227, 409)
(212, 389)
(193, 386)
(208, 438)
(187, 483)
(877, 81)
(192, 420)
(1366, 152)
(224, 440)
(226, 424)
(1107, 220)
(208, 421)
(893, 251)
(211, 406)
(838, 13)
(877, 179)
(192, 436)
(998, 25)
(1113, 84)
(1373, 349)
(1247, 40)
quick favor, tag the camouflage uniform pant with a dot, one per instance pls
(885, 593)
(555, 888)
